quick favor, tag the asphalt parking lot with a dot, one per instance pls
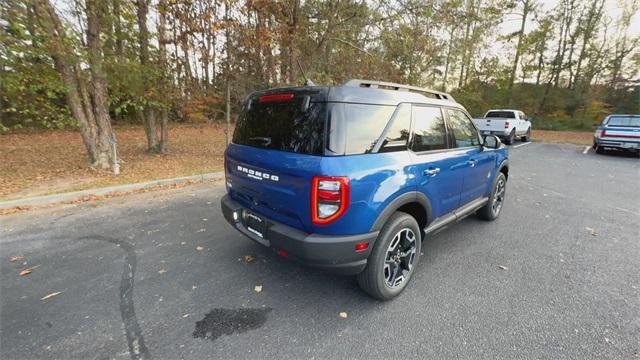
(161, 275)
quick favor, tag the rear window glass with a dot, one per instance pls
(624, 121)
(283, 125)
(364, 125)
(501, 114)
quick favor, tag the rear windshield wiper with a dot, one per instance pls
(265, 141)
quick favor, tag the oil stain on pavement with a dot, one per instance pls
(220, 322)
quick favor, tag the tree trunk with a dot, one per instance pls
(162, 41)
(85, 110)
(291, 33)
(99, 86)
(465, 43)
(184, 44)
(448, 60)
(117, 28)
(525, 12)
(149, 118)
(227, 34)
(540, 67)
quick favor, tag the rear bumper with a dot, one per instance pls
(616, 143)
(501, 133)
(329, 252)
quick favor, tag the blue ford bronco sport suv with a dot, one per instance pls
(352, 178)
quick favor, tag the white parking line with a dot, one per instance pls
(517, 146)
(586, 150)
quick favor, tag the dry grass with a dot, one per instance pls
(55, 161)
(563, 137)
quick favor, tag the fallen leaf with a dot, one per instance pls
(249, 258)
(162, 271)
(185, 316)
(202, 230)
(183, 243)
(343, 315)
(258, 288)
(591, 231)
(16, 258)
(204, 219)
(502, 267)
(49, 296)
(25, 272)
(199, 248)
(28, 270)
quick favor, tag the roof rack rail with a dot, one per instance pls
(398, 87)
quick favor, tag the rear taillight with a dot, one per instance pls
(329, 198)
(506, 124)
(604, 133)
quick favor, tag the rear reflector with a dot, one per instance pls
(283, 253)
(506, 124)
(275, 98)
(362, 246)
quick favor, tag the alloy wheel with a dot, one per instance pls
(400, 257)
(498, 196)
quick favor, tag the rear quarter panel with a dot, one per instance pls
(375, 181)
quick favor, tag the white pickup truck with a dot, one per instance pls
(506, 124)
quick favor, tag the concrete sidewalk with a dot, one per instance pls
(70, 196)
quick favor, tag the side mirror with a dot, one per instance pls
(492, 142)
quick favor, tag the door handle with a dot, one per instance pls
(432, 172)
(473, 162)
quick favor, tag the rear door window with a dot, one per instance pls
(292, 125)
(463, 132)
(429, 132)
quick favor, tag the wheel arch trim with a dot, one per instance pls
(398, 202)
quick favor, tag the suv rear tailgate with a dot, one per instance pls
(491, 124)
(272, 183)
(276, 150)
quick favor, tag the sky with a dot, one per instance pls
(612, 9)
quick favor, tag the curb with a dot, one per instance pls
(57, 198)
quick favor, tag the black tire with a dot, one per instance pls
(599, 149)
(512, 138)
(382, 261)
(492, 209)
(526, 136)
